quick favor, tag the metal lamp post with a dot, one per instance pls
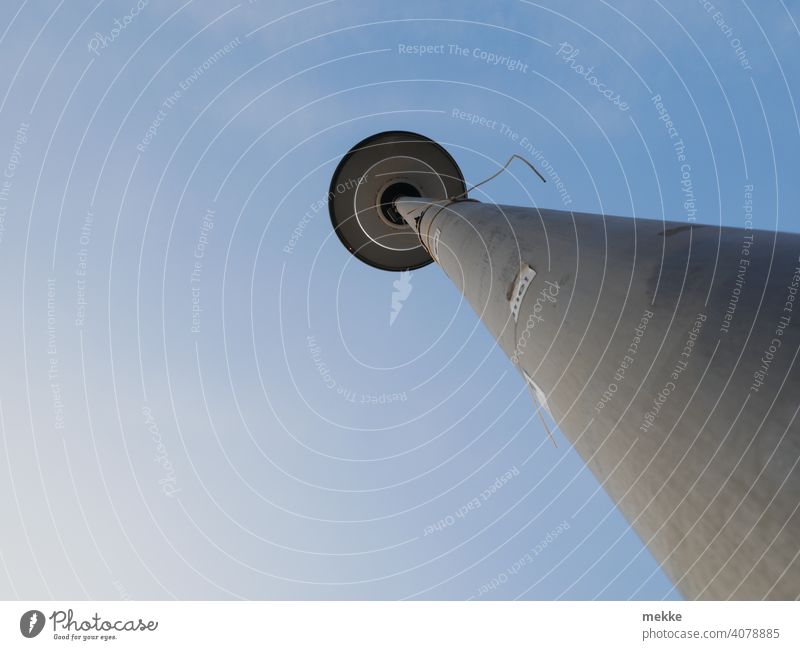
(666, 352)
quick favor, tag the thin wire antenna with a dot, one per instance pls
(497, 173)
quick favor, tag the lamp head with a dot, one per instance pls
(366, 183)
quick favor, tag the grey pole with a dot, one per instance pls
(666, 353)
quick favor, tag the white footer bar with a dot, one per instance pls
(389, 625)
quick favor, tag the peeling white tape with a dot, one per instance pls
(538, 393)
(435, 244)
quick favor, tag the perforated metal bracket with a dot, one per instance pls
(519, 289)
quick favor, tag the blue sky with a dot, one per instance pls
(287, 440)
